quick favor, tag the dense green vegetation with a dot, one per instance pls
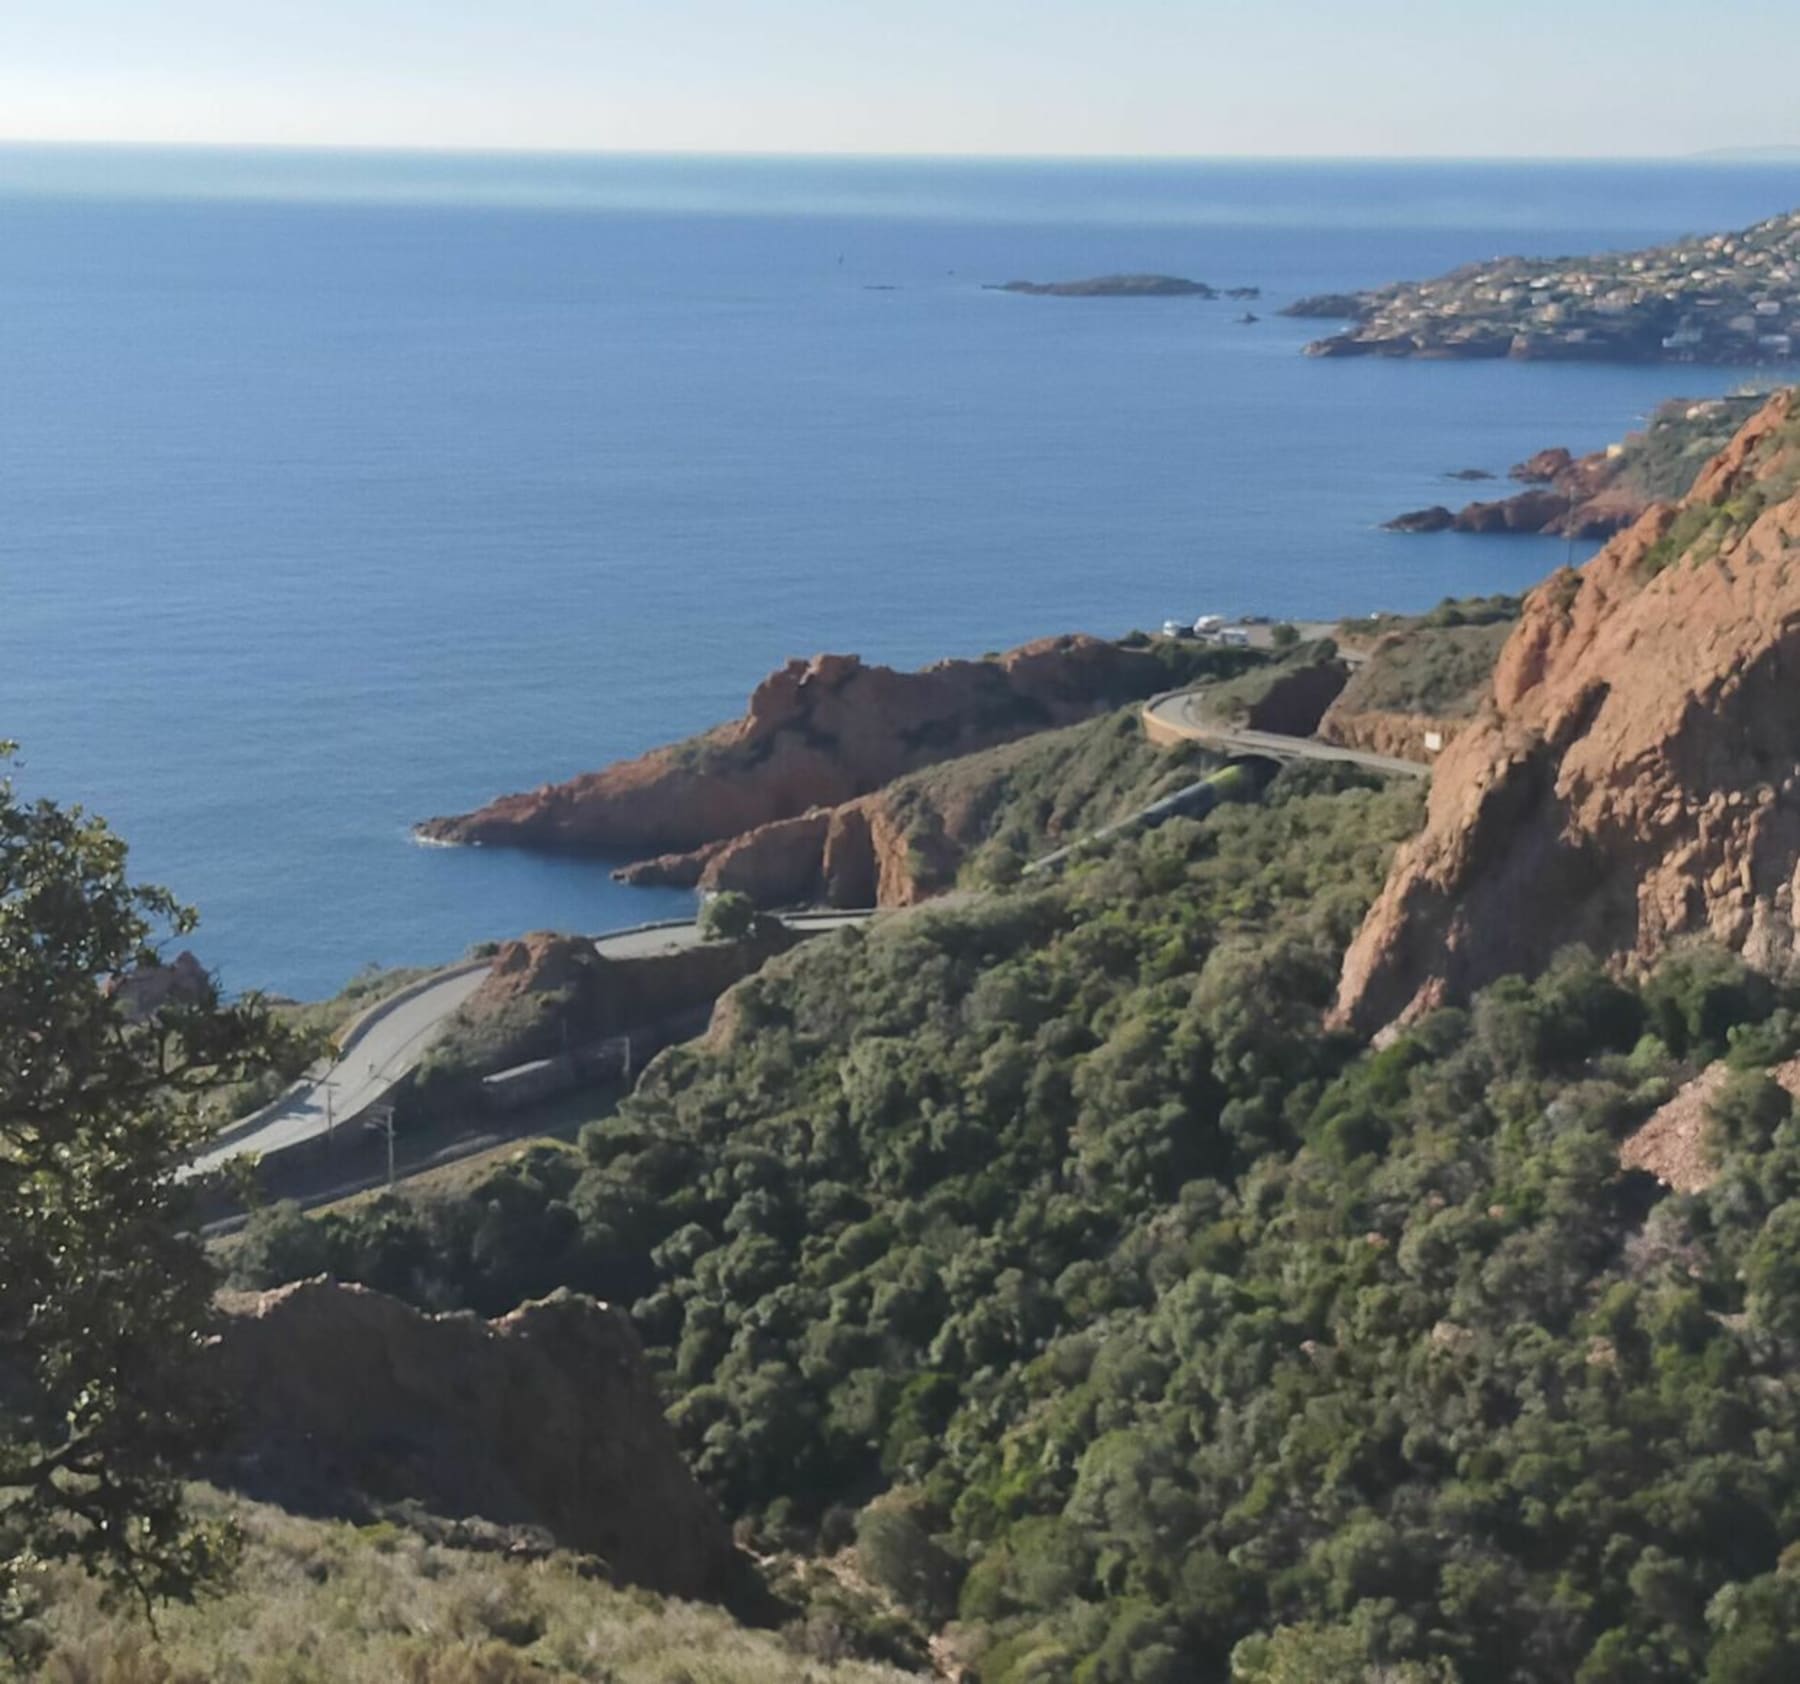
(1047, 1250)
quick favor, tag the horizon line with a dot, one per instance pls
(1778, 154)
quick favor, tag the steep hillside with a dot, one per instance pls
(1042, 1255)
(1632, 779)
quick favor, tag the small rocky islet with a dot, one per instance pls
(1124, 286)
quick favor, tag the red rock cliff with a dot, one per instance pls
(818, 733)
(1635, 775)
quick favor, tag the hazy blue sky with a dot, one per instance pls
(962, 76)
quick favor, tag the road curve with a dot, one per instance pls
(1181, 715)
(387, 1042)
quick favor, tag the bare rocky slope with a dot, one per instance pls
(818, 734)
(546, 1418)
(1634, 776)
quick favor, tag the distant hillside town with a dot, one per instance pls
(1719, 298)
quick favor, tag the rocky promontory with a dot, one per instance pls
(904, 842)
(1596, 495)
(818, 734)
(1540, 510)
(1328, 306)
(1631, 778)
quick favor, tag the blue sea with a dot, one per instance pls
(338, 490)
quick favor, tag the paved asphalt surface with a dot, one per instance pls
(1183, 713)
(389, 1042)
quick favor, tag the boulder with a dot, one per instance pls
(140, 994)
(339, 1398)
(1542, 468)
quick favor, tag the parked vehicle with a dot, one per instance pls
(1177, 628)
(1232, 637)
(1207, 624)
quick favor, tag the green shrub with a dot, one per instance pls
(728, 916)
(895, 1548)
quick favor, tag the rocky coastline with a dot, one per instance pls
(1605, 491)
(786, 802)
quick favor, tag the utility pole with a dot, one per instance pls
(381, 1120)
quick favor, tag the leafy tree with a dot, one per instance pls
(895, 1548)
(729, 916)
(1699, 994)
(1759, 1632)
(103, 1297)
(1748, 1110)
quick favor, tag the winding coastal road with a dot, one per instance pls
(388, 1041)
(1181, 716)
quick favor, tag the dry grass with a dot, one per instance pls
(327, 1603)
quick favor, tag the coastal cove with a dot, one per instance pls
(344, 491)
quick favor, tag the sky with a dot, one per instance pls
(1569, 78)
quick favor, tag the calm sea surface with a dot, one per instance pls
(337, 491)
